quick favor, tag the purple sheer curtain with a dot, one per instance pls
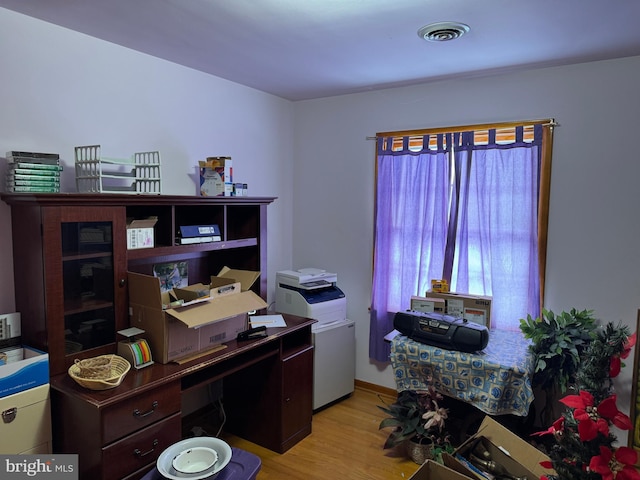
(496, 250)
(411, 230)
(489, 213)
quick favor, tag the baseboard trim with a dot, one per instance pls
(372, 387)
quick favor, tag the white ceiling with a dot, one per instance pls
(303, 49)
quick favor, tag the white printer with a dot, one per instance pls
(312, 293)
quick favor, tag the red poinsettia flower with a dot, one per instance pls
(616, 362)
(546, 464)
(618, 464)
(556, 429)
(629, 344)
(592, 419)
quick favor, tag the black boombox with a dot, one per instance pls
(442, 331)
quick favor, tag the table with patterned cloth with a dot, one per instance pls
(496, 380)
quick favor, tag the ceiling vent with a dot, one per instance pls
(443, 31)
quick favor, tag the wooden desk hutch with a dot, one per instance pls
(70, 270)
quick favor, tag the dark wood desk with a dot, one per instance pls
(119, 433)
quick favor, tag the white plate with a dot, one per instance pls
(165, 459)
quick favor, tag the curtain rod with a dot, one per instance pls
(551, 122)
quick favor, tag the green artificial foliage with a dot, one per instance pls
(557, 345)
(594, 372)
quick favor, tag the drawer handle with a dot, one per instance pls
(139, 454)
(139, 414)
(9, 415)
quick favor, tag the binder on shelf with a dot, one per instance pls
(34, 171)
(190, 231)
(36, 181)
(30, 189)
(37, 166)
(33, 157)
(48, 156)
(194, 240)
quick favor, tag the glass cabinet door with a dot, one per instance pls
(88, 285)
(85, 264)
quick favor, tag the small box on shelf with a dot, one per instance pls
(140, 233)
(216, 177)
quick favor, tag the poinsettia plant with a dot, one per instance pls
(584, 446)
(418, 416)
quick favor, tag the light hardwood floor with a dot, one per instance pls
(345, 444)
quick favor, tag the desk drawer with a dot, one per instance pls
(140, 449)
(140, 411)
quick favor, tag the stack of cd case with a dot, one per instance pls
(33, 172)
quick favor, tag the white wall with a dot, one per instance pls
(594, 227)
(62, 89)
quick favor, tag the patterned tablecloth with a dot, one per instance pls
(496, 380)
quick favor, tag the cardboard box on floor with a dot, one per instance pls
(506, 448)
(175, 333)
(431, 470)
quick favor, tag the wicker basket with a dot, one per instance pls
(100, 373)
(97, 368)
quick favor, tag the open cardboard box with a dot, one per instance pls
(519, 457)
(431, 470)
(190, 294)
(174, 333)
(246, 278)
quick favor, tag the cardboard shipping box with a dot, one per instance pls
(474, 308)
(140, 233)
(216, 177)
(174, 333)
(431, 470)
(427, 304)
(246, 277)
(520, 458)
